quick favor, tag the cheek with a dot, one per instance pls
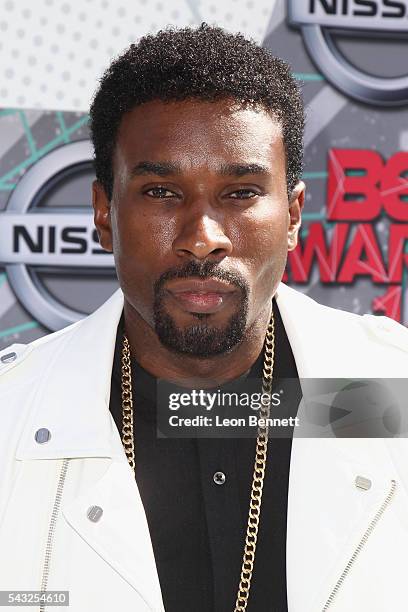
(129, 243)
(141, 251)
(267, 231)
(139, 237)
(266, 249)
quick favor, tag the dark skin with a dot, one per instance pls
(198, 207)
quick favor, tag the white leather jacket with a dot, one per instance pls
(347, 546)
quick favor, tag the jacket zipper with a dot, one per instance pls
(360, 545)
(51, 529)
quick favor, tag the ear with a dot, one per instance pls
(296, 202)
(102, 219)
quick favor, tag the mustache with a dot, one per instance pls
(203, 270)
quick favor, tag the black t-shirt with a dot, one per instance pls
(198, 527)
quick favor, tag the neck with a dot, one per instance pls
(188, 370)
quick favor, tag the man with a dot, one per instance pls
(198, 157)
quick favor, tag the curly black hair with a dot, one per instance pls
(207, 63)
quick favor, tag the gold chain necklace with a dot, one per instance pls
(260, 454)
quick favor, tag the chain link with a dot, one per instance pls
(258, 475)
(260, 454)
(127, 405)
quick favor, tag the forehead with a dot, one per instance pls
(195, 133)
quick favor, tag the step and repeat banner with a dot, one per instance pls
(351, 58)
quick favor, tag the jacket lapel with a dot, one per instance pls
(121, 536)
(73, 392)
(327, 512)
(75, 409)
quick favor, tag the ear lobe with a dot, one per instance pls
(102, 220)
(295, 214)
(293, 238)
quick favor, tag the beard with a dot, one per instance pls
(201, 339)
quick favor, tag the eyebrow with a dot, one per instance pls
(242, 169)
(159, 168)
(164, 168)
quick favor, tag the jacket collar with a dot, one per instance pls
(317, 336)
(72, 399)
(73, 394)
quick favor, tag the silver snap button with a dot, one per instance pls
(9, 358)
(219, 478)
(42, 435)
(362, 482)
(94, 513)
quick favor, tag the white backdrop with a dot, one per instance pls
(52, 52)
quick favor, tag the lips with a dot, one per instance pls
(200, 286)
(207, 296)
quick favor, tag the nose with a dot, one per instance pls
(202, 235)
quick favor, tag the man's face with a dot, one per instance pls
(199, 193)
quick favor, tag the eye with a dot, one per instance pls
(244, 194)
(160, 192)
